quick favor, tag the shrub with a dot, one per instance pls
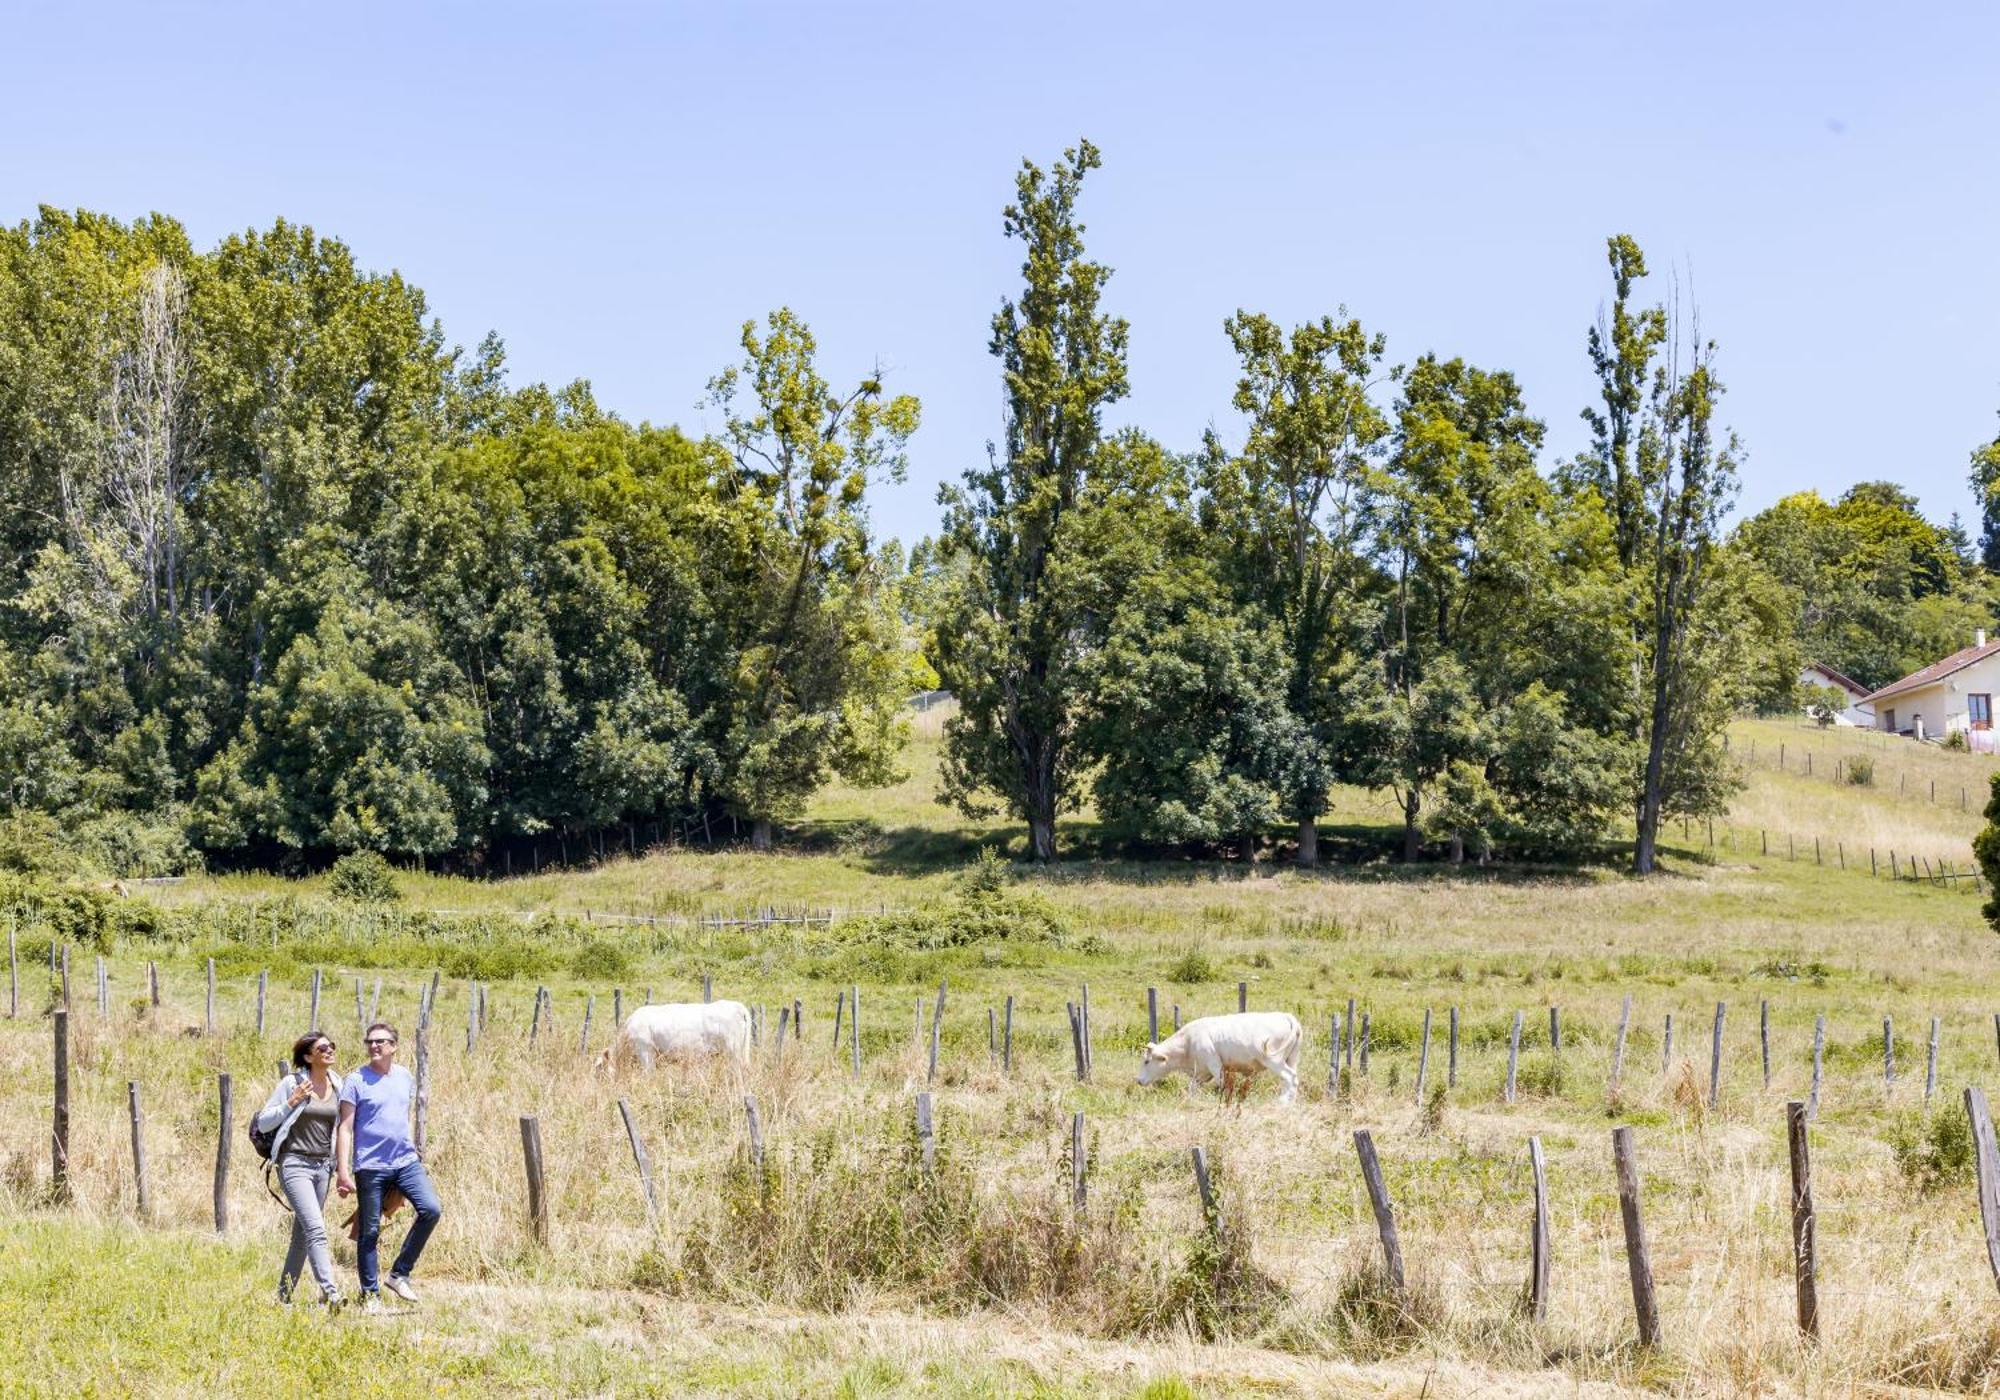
(363, 877)
(1193, 966)
(977, 914)
(1933, 1151)
(1861, 771)
(600, 960)
(1956, 741)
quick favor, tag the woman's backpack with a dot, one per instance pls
(261, 1141)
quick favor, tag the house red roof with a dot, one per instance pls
(1852, 687)
(1938, 670)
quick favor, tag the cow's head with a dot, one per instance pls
(1152, 1065)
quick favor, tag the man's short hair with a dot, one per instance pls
(382, 1026)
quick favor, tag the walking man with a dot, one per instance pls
(374, 1155)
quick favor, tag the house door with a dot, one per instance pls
(1980, 711)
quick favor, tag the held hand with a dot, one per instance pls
(344, 1185)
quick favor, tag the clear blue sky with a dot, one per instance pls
(614, 189)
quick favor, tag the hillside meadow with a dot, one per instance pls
(841, 1265)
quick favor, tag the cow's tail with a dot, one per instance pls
(1296, 1036)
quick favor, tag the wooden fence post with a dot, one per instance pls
(1804, 1234)
(1930, 1067)
(756, 1126)
(1333, 1055)
(138, 1146)
(225, 1134)
(1152, 1015)
(531, 1159)
(1385, 1214)
(992, 1037)
(313, 1018)
(1242, 996)
(1513, 1056)
(1986, 1165)
(1819, 1061)
(1083, 1022)
(103, 989)
(1715, 1059)
(1364, 1042)
(639, 1160)
(1764, 1035)
(1211, 1216)
(839, 1006)
(1538, 1279)
(707, 987)
(59, 1180)
(1555, 1032)
(1637, 1258)
(421, 1110)
(471, 1016)
(263, 988)
(926, 1134)
(937, 1024)
(1076, 1038)
(1618, 1046)
(1424, 1057)
(1451, 1054)
(1079, 1186)
(1667, 1047)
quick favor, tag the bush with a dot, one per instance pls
(978, 914)
(1861, 771)
(599, 960)
(363, 877)
(1193, 966)
(1956, 741)
(1933, 1150)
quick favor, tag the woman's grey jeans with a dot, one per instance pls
(304, 1181)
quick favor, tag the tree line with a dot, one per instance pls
(284, 574)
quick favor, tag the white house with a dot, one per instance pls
(1945, 697)
(1856, 711)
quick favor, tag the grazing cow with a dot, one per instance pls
(683, 1030)
(1230, 1050)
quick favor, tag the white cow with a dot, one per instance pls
(1230, 1050)
(683, 1030)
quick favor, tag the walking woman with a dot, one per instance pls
(301, 1113)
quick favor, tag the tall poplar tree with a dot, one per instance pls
(1008, 643)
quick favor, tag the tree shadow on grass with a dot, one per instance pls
(1096, 852)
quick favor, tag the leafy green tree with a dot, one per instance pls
(1291, 514)
(1007, 645)
(821, 666)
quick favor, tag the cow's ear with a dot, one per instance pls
(1152, 1049)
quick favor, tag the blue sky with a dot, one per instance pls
(615, 188)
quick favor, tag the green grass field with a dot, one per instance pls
(825, 1279)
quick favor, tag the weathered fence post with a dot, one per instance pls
(1153, 1015)
(590, 1006)
(103, 989)
(1076, 1038)
(263, 988)
(1764, 1035)
(1819, 1061)
(707, 987)
(531, 1159)
(1079, 1187)
(1210, 1215)
(1986, 1166)
(1364, 1042)
(1930, 1067)
(992, 1037)
(756, 1126)
(138, 1146)
(926, 1134)
(225, 1133)
(1715, 1059)
(1618, 1047)
(1513, 1056)
(1555, 1032)
(1804, 1234)
(59, 1181)
(421, 1110)
(1638, 1260)
(639, 1160)
(1385, 1214)
(937, 1025)
(839, 1006)
(1451, 1053)
(471, 1016)
(313, 1017)
(1538, 1279)
(1242, 996)
(1424, 1057)
(153, 981)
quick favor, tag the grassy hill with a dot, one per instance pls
(841, 1267)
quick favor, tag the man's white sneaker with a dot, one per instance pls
(371, 1304)
(401, 1288)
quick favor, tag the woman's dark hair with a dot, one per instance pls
(303, 1046)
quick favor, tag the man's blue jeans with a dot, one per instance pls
(368, 1188)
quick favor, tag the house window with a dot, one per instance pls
(1979, 709)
